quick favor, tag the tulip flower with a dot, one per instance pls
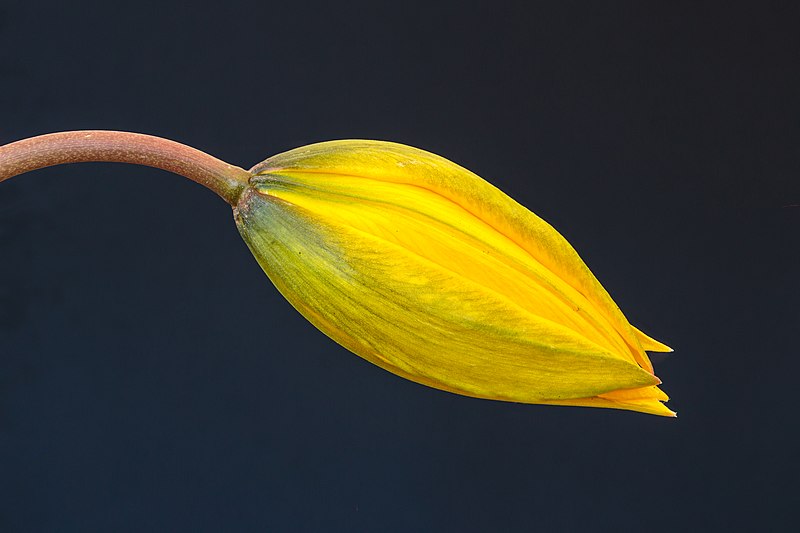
(424, 269)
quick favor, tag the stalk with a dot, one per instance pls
(34, 153)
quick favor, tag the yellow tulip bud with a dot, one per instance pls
(426, 270)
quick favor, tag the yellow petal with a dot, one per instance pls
(400, 164)
(649, 406)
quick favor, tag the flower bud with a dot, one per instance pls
(423, 268)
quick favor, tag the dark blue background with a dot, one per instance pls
(152, 379)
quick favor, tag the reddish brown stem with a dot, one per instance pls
(19, 157)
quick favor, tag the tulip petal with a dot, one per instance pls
(444, 233)
(397, 163)
(395, 308)
(649, 406)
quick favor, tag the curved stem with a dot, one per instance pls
(19, 157)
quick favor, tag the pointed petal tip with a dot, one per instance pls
(662, 411)
(667, 412)
(649, 344)
(663, 348)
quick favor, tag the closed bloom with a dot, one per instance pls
(426, 270)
